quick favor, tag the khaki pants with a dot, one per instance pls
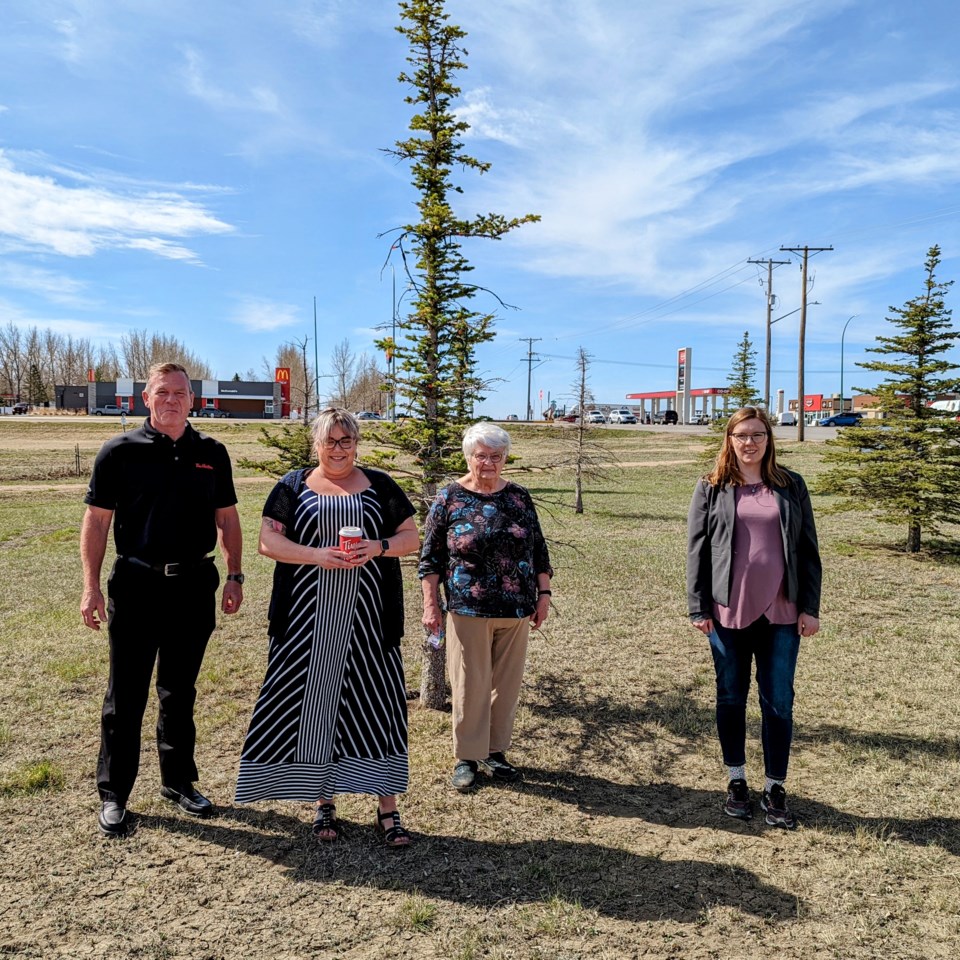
(485, 660)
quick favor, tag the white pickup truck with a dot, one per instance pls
(108, 410)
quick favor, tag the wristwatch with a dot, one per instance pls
(384, 547)
(236, 578)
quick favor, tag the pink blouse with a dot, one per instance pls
(756, 577)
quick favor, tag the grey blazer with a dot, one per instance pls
(710, 547)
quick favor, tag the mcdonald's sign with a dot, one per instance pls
(283, 375)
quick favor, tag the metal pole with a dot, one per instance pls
(393, 349)
(316, 362)
(842, 335)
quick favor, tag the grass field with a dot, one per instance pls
(613, 847)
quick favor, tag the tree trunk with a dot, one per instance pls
(579, 507)
(433, 688)
(913, 537)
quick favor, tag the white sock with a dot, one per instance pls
(768, 785)
(737, 773)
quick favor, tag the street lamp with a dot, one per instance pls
(842, 335)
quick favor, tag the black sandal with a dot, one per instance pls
(394, 836)
(326, 821)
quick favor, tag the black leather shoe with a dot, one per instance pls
(113, 820)
(188, 800)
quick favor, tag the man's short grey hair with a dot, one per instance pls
(158, 370)
(487, 435)
(326, 420)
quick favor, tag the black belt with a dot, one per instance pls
(178, 569)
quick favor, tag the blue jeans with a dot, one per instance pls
(775, 648)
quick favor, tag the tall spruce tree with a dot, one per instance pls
(905, 467)
(435, 377)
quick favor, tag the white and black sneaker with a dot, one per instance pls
(501, 769)
(774, 803)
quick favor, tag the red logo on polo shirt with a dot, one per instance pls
(203, 466)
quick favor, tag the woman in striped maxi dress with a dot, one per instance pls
(332, 716)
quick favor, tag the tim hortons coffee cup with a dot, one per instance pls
(348, 537)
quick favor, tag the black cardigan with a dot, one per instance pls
(280, 506)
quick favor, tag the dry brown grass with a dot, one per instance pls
(613, 847)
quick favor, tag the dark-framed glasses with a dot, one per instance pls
(746, 437)
(344, 443)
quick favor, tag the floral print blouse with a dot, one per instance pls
(487, 549)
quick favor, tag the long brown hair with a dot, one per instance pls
(727, 471)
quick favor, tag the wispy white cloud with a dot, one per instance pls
(642, 132)
(39, 213)
(258, 315)
(320, 21)
(55, 287)
(256, 99)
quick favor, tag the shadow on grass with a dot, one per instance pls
(608, 726)
(615, 883)
(667, 804)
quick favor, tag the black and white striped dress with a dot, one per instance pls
(332, 713)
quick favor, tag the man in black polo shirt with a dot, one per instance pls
(171, 491)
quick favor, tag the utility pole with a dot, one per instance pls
(803, 327)
(530, 341)
(770, 298)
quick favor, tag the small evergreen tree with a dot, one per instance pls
(743, 375)
(905, 467)
(587, 457)
(36, 388)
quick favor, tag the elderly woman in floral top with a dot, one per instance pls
(483, 540)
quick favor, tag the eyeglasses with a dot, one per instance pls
(744, 437)
(344, 443)
(493, 458)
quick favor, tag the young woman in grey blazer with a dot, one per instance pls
(753, 588)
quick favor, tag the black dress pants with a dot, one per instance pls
(167, 621)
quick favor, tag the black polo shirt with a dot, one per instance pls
(164, 493)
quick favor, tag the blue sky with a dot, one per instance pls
(206, 169)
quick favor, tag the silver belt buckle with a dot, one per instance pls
(171, 569)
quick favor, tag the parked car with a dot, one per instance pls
(841, 420)
(595, 416)
(787, 419)
(367, 415)
(108, 410)
(622, 415)
(213, 412)
(21, 407)
(670, 417)
(511, 417)
(569, 417)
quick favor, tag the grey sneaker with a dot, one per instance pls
(464, 775)
(738, 803)
(774, 802)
